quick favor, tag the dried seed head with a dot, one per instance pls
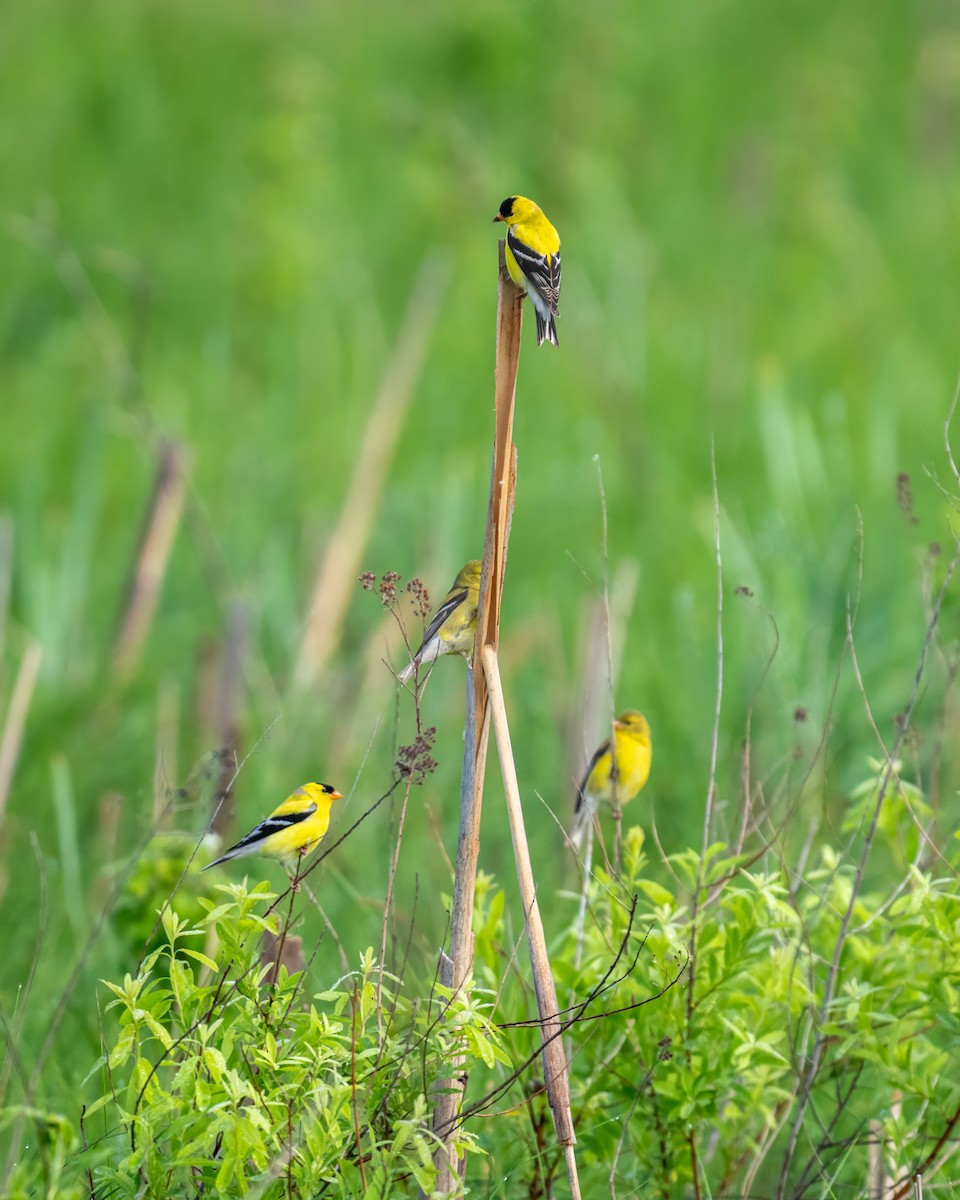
(388, 588)
(421, 598)
(416, 761)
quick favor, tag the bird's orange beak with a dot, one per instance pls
(498, 217)
(335, 795)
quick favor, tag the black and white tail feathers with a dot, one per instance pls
(546, 329)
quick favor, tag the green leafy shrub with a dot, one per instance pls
(713, 1013)
(690, 1029)
(218, 1080)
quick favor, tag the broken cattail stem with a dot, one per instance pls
(338, 570)
(150, 565)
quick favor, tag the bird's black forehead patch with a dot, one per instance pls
(328, 788)
(506, 208)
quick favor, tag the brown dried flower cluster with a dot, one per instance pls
(421, 598)
(387, 588)
(416, 761)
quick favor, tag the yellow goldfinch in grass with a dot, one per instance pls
(615, 778)
(293, 828)
(454, 623)
(532, 254)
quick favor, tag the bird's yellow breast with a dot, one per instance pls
(299, 838)
(633, 756)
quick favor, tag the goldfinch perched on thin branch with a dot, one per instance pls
(454, 624)
(614, 778)
(532, 255)
(292, 830)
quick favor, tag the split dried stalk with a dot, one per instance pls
(456, 969)
(554, 1059)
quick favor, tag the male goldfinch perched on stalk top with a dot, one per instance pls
(293, 829)
(615, 778)
(454, 624)
(532, 254)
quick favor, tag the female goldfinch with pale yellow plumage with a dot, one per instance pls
(293, 829)
(614, 777)
(454, 624)
(532, 254)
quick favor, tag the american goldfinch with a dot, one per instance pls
(292, 829)
(532, 254)
(614, 778)
(454, 623)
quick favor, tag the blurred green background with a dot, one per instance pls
(212, 218)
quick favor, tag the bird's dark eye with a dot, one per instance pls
(506, 208)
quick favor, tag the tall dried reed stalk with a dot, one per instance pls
(482, 682)
(341, 562)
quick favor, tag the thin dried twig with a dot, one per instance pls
(604, 645)
(612, 710)
(596, 692)
(605, 641)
